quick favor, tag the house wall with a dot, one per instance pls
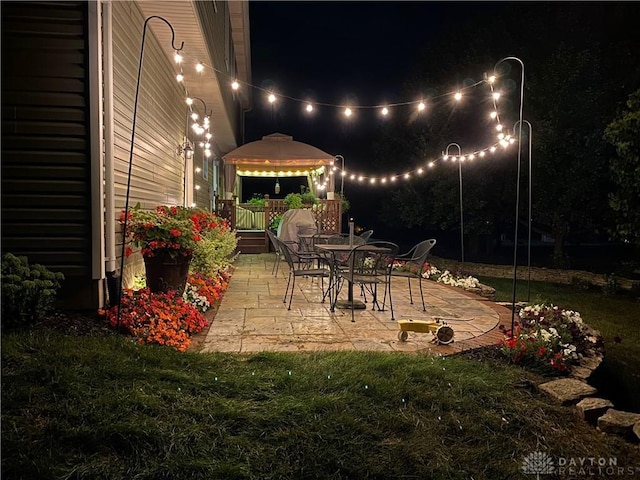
(46, 168)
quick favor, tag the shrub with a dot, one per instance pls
(257, 199)
(215, 252)
(275, 223)
(293, 200)
(28, 291)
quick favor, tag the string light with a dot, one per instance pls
(348, 112)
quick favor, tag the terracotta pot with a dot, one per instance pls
(165, 273)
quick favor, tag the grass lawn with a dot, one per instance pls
(617, 316)
(78, 407)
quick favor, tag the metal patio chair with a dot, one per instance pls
(295, 270)
(414, 265)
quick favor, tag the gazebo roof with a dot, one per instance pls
(277, 152)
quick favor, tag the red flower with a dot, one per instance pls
(128, 251)
(175, 232)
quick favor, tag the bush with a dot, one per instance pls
(28, 292)
(215, 251)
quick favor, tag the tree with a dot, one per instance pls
(571, 104)
(624, 134)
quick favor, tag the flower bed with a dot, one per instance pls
(550, 338)
(157, 318)
(165, 318)
(431, 272)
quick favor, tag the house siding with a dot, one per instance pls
(157, 174)
(46, 166)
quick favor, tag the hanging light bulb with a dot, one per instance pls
(199, 67)
(235, 85)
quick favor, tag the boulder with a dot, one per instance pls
(636, 430)
(591, 408)
(567, 391)
(619, 422)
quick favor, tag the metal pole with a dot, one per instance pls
(530, 189)
(515, 236)
(446, 152)
(341, 175)
(133, 133)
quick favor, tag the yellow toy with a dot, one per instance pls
(442, 333)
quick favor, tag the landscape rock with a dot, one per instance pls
(636, 430)
(619, 422)
(591, 408)
(567, 391)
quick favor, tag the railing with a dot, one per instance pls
(247, 216)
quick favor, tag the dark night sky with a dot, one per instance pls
(333, 51)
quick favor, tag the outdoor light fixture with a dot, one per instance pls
(277, 187)
(186, 149)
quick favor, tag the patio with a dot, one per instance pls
(253, 318)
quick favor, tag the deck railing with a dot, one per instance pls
(247, 216)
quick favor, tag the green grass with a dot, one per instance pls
(88, 407)
(616, 316)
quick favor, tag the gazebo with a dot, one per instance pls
(275, 156)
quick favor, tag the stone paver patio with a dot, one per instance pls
(252, 317)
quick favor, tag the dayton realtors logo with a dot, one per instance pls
(541, 463)
(538, 463)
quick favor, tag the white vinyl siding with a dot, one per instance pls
(157, 176)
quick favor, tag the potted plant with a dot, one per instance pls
(308, 197)
(167, 237)
(293, 200)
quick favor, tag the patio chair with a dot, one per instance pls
(414, 265)
(368, 265)
(276, 248)
(292, 257)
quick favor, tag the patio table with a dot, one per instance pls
(333, 250)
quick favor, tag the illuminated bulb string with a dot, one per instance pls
(504, 139)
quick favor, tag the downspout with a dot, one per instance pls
(95, 149)
(110, 201)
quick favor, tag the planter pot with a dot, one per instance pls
(165, 273)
